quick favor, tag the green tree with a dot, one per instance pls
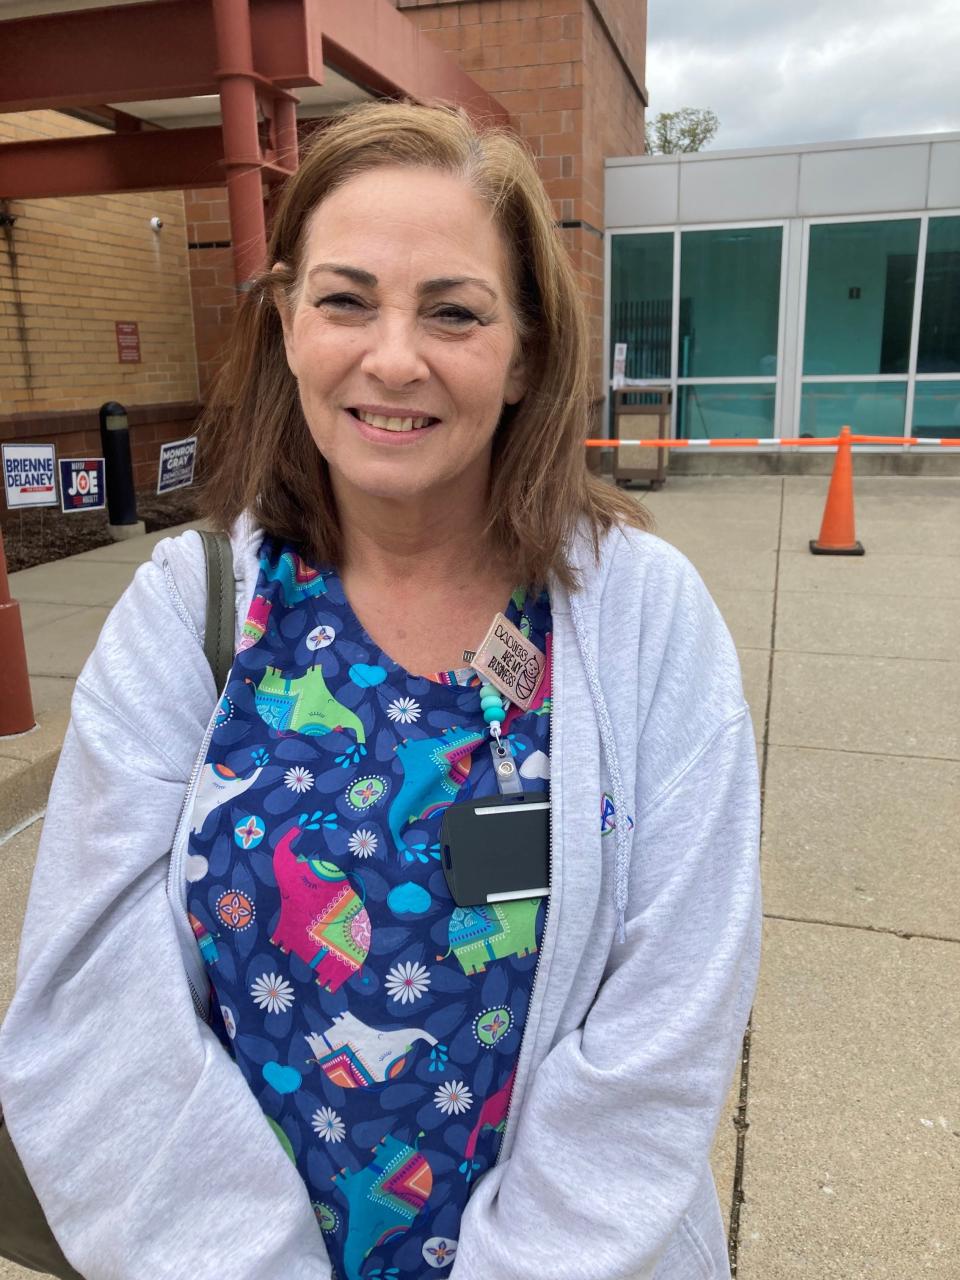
(688, 129)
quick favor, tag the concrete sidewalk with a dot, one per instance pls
(850, 1159)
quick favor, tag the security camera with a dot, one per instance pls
(156, 223)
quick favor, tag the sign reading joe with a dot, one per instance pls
(81, 484)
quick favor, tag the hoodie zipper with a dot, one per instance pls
(176, 880)
(526, 1042)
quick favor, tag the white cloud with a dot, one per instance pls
(778, 74)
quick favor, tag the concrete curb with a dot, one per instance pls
(27, 765)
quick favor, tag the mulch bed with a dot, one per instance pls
(38, 535)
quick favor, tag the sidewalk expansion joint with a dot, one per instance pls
(853, 751)
(870, 657)
(908, 934)
(740, 1122)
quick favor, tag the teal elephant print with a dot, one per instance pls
(491, 932)
(298, 580)
(434, 770)
(304, 705)
(383, 1198)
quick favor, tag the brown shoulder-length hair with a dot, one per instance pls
(255, 449)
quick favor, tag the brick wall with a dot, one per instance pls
(69, 269)
(613, 126)
(211, 277)
(570, 74)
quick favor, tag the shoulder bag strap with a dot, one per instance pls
(221, 588)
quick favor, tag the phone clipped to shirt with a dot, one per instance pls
(497, 848)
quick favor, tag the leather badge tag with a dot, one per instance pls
(510, 662)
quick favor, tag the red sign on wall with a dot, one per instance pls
(128, 341)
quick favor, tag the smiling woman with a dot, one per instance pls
(463, 879)
(414, 260)
(404, 346)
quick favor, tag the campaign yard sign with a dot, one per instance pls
(29, 479)
(81, 484)
(177, 461)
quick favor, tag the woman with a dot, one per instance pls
(491, 1090)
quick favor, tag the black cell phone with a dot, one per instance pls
(497, 848)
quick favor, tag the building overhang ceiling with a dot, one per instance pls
(155, 62)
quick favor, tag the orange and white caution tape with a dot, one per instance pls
(914, 443)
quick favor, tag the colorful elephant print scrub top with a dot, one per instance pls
(377, 1023)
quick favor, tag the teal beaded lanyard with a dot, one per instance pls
(504, 768)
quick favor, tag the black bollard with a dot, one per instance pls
(118, 464)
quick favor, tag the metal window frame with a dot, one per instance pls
(910, 376)
(677, 230)
(791, 329)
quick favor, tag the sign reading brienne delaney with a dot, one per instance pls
(28, 475)
(176, 464)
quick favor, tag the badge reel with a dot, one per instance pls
(497, 849)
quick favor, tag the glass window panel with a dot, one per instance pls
(860, 284)
(729, 411)
(868, 408)
(641, 312)
(939, 349)
(936, 409)
(729, 302)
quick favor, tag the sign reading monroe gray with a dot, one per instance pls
(177, 460)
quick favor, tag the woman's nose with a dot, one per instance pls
(394, 357)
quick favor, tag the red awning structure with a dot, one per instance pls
(235, 63)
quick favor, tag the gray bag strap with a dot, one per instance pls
(221, 588)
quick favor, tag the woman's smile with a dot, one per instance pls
(392, 431)
(393, 418)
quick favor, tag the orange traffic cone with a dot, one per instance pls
(837, 534)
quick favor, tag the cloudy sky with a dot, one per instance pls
(778, 72)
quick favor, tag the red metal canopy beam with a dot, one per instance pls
(376, 45)
(167, 49)
(131, 53)
(155, 160)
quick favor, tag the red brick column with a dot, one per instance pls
(211, 278)
(570, 74)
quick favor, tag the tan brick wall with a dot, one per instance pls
(69, 269)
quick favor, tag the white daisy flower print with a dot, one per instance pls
(298, 779)
(407, 982)
(404, 711)
(328, 1125)
(363, 843)
(273, 993)
(453, 1098)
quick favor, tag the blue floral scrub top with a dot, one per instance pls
(378, 1024)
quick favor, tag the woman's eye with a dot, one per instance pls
(342, 302)
(454, 316)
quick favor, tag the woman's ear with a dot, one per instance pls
(515, 387)
(281, 299)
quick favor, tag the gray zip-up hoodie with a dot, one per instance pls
(147, 1149)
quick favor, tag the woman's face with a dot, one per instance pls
(402, 338)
